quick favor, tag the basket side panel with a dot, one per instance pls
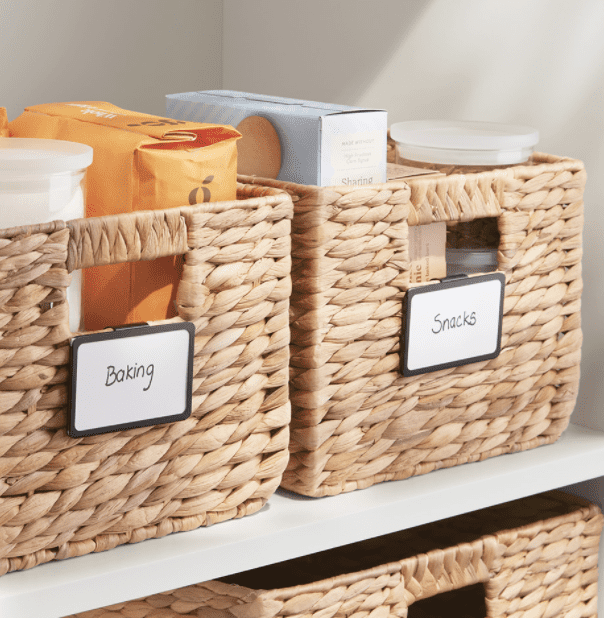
(356, 420)
(533, 557)
(63, 497)
(211, 599)
(548, 568)
(348, 246)
(540, 253)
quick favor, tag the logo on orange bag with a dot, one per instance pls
(207, 196)
(159, 122)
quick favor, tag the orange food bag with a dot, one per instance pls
(3, 122)
(141, 162)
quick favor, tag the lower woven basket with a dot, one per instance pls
(533, 558)
(356, 420)
(62, 497)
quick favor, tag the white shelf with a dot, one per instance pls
(290, 526)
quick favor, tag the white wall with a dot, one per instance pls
(128, 52)
(534, 62)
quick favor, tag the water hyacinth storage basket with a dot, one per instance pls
(532, 558)
(356, 420)
(61, 496)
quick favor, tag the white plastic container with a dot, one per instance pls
(42, 180)
(446, 142)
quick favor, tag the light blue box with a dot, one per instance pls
(321, 144)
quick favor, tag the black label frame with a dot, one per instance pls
(453, 281)
(121, 332)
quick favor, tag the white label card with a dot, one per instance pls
(136, 376)
(455, 322)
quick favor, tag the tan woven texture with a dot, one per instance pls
(532, 558)
(62, 497)
(356, 420)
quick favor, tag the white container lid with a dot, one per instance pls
(463, 142)
(24, 155)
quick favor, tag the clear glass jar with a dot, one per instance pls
(461, 146)
(465, 147)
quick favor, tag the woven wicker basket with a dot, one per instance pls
(532, 558)
(356, 420)
(62, 497)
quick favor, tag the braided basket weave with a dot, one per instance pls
(62, 497)
(356, 420)
(532, 558)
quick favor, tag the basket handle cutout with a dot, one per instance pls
(445, 570)
(130, 237)
(468, 602)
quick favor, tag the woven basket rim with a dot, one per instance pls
(538, 159)
(347, 579)
(272, 183)
(582, 509)
(273, 196)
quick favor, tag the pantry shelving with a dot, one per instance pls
(291, 525)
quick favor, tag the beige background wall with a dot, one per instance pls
(128, 52)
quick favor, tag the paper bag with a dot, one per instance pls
(3, 122)
(141, 162)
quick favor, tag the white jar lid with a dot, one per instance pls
(34, 156)
(463, 142)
